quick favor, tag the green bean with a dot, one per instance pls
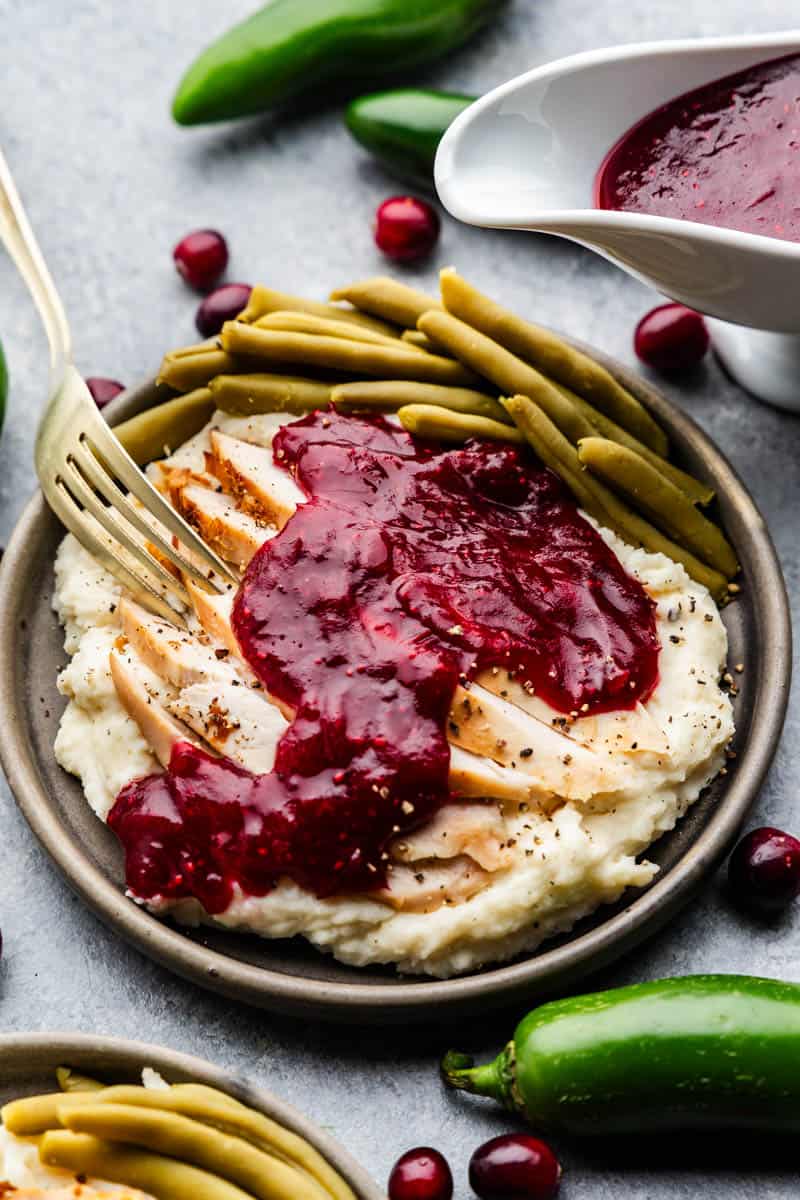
(162, 1178)
(179, 1137)
(444, 425)
(158, 431)
(387, 298)
(666, 505)
(553, 356)
(73, 1081)
(246, 394)
(392, 394)
(415, 338)
(223, 1112)
(507, 372)
(265, 300)
(193, 366)
(33, 1115)
(599, 501)
(555, 451)
(697, 491)
(291, 322)
(354, 358)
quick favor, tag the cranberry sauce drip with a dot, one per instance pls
(725, 154)
(407, 569)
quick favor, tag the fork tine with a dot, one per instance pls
(74, 519)
(90, 468)
(76, 486)
(102, 440)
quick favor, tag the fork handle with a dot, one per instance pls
(20, 242)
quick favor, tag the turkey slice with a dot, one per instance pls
(249, 474)
(235, 535)
(477, 830)
(159, 728)
(630, 732)
(237, 721)
(432, 884)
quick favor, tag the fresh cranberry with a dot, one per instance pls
(514, 1167)
(671, 338)
(103, 390)
(406, 228)
(764, 870)
(201, 257)
(421, 1174)
(220, 306)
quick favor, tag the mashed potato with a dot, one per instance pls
(566, 859)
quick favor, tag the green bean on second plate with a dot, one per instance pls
(553, 356)
(505, 370)
(667, 506)
(334, 354)
(242, 395)
(264, 300)
(156, 432)
(387, 298)
(445, 425)
(292, 322)
(392, 394)
(598, 499)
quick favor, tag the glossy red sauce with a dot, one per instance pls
(725, 154)
(408, 569)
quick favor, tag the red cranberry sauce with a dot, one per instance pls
(725, 154)
(407, 569)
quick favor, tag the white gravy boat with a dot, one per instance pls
(525, 156)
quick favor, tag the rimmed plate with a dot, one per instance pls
(293, 977)
(28, 1063)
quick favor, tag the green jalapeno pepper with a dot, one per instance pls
(292, 47)
(403, 128)
(704, 1051)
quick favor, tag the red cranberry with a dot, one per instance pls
(220, 306)
(514, 1167)
(764, 870)
(201, 257)
(421, 1174)
(406, 228)
(103, 390)
(671, 338)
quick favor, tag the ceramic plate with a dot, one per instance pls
(292, 976)
(28, 1063)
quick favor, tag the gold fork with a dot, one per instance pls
(90, 482)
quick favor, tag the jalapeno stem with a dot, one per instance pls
(494, 1079)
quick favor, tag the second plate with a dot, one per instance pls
(293, 977)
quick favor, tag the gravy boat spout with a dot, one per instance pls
(526, 155)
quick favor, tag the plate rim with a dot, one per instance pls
(87, 1051)
(427, 999)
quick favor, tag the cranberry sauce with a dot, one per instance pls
(408, 569)
(725, 154)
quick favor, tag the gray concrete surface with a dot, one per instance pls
(110, 185)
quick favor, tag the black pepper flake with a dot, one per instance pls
(527, 752)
